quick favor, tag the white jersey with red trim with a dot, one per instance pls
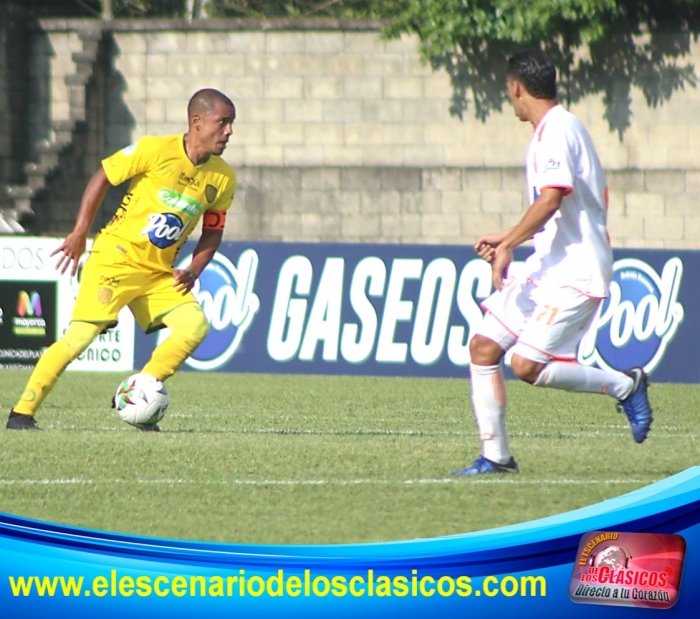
(573, 248)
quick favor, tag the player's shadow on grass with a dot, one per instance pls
(656, 66)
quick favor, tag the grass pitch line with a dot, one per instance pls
(661, 433)
(513, 480)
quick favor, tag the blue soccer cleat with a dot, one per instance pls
(484, 466)
(636, 405)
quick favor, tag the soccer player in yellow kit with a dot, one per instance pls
(175, 181)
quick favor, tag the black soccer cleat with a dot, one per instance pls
(17, 421)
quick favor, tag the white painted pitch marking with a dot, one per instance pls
(659, 432)
(318, 482)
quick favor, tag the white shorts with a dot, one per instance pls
(538, 323)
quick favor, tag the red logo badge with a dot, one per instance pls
(628, 569)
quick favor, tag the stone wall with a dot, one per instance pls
(341, 137)
(652, 208)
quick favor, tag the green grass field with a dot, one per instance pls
(322, 460)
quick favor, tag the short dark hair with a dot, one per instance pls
(535, 72)
(204, 100)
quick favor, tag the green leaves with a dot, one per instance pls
(599, 47)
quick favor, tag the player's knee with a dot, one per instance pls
(484, 351)
(188, 322)
(200, 328)
(526, 370)
(79, 336)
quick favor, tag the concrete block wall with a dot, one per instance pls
(341, 137)
(377, 204)
(652, 209)
(51, 62)
(312, 98)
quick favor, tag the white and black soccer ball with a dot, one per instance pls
(141, 400)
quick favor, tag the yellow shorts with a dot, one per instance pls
(110, 281)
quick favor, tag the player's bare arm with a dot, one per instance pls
(204, 252)
(539, 213)
(74, 244)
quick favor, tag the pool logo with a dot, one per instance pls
(225, 292)
(164, 229)
(640, 318)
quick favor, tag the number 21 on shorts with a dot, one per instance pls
(547, 314)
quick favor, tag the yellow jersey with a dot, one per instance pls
(166, 198)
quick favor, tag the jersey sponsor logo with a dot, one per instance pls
(188, 181)
(178, 202)
(636, 323)
(225, 292)
(164, 229)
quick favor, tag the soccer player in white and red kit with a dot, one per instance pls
(543, 313)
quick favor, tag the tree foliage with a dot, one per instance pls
(599, 46)
(604, 47)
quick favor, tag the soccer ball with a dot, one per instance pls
(141, 400)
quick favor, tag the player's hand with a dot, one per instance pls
(72, 248)
(184, 280)
(486, 245)
(502, 258)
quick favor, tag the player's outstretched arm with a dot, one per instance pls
(74, 244)
(204, 252)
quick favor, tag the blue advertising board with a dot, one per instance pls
(409, 310)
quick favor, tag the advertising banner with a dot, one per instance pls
(27, 322)
(36, 303)
(409, 310)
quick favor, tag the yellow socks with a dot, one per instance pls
(189, 327)
(53, 362)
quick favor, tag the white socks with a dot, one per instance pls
(489, 397)
(571, 376)
(489, 405)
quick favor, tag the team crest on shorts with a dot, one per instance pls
(210, 192)
(104, 295)
(642, 570)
